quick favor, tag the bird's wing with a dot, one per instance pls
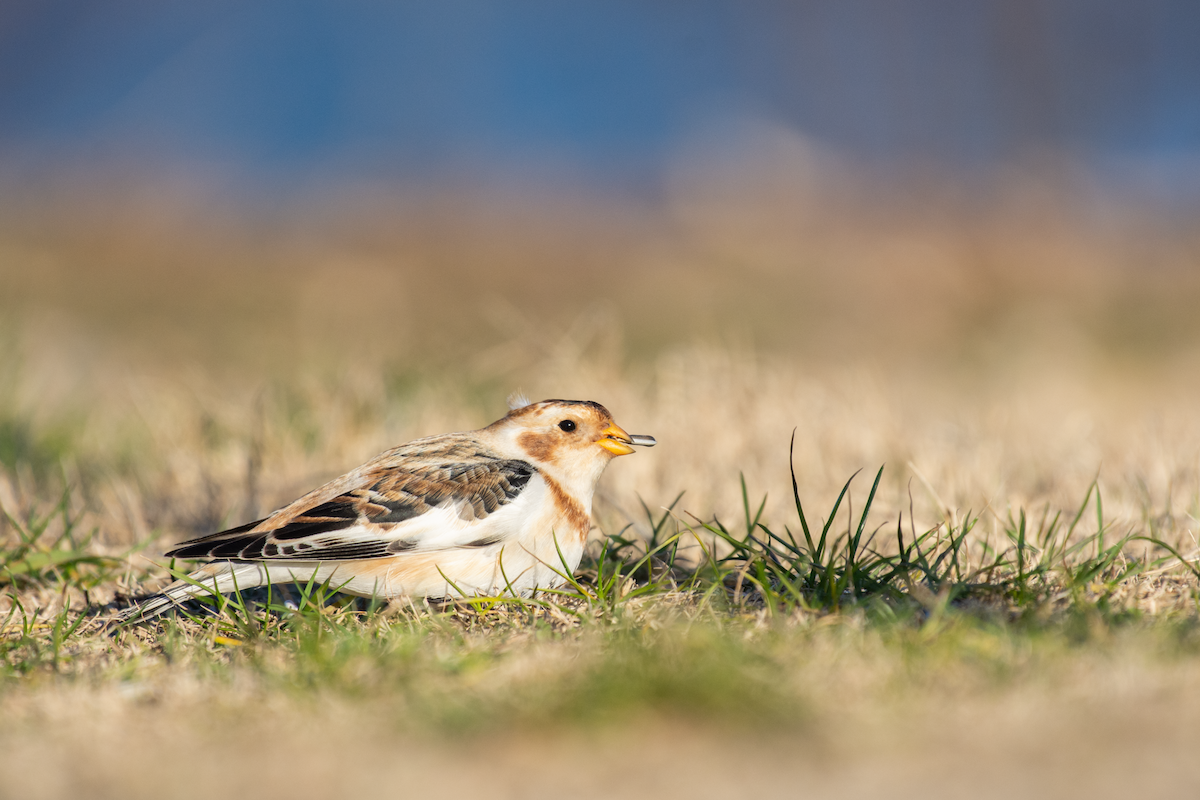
(419, 497)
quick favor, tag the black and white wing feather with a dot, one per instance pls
(428, 494)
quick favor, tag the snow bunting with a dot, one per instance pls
(484, 512)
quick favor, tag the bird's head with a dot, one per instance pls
(574, 439)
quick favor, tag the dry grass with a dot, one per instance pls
(176, 370)
(1111, 719)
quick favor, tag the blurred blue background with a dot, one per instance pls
(598, 94)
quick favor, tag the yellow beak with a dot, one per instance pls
(615, 440)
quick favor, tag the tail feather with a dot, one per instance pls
(219, 577)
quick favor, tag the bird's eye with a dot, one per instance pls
(567, 425)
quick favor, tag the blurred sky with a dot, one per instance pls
(602, 93)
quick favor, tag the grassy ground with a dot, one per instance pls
(1008, 605)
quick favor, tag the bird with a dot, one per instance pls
(502, 510)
